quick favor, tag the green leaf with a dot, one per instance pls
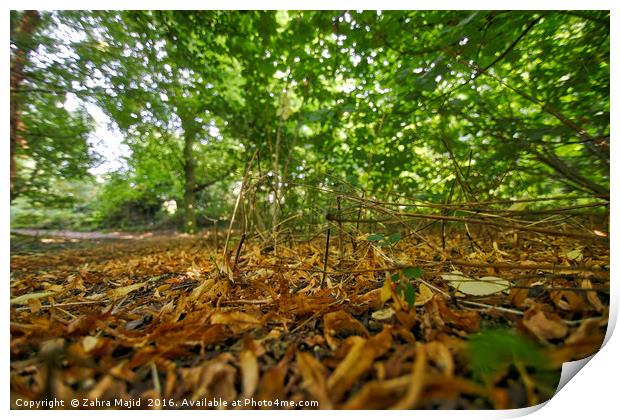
(394, 238)
(375, 237)
(410, 295)
(398, 289)
(491, 353)
(413, 272)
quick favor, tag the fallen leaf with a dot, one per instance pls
(386, 291)
(357, 362)
(249, 369)
(89, 343)
(484, 286)
(30, 296)
(125, 290)
(544, 325)
(424, 295)
(340, 324)
(383, 314)
(592, 296)
(588, 332)
(313, 374)
(416, 382)
(574, 255)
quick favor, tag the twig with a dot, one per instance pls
(325, 261)
(232, 219)
(239, 247)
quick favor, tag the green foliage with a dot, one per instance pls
(497, 104)
(413, 272)
(75, 209)
(381, 240)
(492, 352)
(404, 286)
(51, 138)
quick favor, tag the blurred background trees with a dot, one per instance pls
(433, 105)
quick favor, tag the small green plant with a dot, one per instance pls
(404, 287)
(492, 353)
(382, 240)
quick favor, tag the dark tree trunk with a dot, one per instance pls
(23, 31)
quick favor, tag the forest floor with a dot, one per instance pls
(400, 322)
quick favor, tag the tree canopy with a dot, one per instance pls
(475, 105)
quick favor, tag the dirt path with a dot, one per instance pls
(68, 234)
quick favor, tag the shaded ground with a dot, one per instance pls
(165, 317)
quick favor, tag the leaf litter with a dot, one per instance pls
(397, 325)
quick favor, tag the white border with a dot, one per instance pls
(592, 394)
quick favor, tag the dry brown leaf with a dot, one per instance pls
(249, 369)
(465, 320)
(386, 291)
(424, 295)
(314, 374)
(357, 362)
(588, 332)
(544, 325)
(341, 324)
(416, 382)
(592, 296)
(440, 355)
(120, 292)
(378, 394)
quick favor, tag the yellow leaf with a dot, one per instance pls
(386, 291)
(89, 342)
(25, 298)
(574, 255)
(424, 295)
(125, 290)
(249, 371)
(383, 314)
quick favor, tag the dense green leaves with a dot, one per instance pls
(485, 104)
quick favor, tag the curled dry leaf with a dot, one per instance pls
(313, 374)
(383, 314)
(249, 369)
(592, 296)
(466, 320)
(440, 355)
(424, 295)
(341, 324)
(416, 381)
(588, 332)
(358, 361)
(544, 325)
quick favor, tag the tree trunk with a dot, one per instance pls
(189, 199)
(27, 26)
